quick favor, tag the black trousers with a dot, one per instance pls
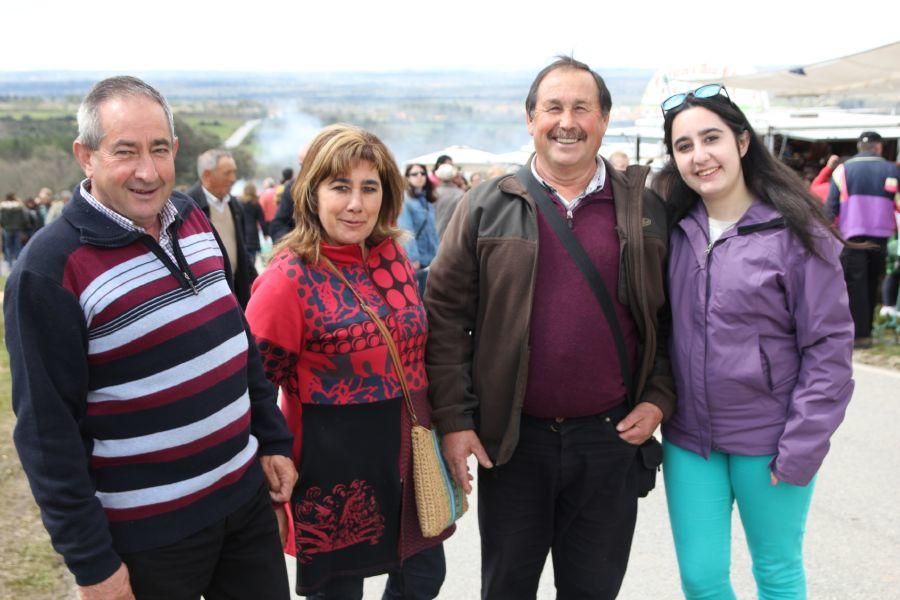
(419, 578)
(570, 489)
(863, 269)
(238, 558)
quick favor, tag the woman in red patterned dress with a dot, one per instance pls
(353, 510)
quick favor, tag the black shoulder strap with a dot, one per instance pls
(422, 226)
(588, 270)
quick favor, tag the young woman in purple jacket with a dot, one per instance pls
(761, 347)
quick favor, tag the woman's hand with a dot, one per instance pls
(773, 478)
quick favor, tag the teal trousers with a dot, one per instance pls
(700, 494)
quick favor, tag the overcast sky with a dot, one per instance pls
(385, 35)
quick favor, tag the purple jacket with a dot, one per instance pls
(761, 343)
(862, 194)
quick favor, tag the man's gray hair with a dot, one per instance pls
(90, 129)
(209, 160)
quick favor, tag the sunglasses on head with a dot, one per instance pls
(710, 90)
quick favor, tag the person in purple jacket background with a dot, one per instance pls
(761, 347)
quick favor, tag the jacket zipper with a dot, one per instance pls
(183, 266)
(709, 411)
(179, 269)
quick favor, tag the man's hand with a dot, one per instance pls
(281, 476)
(457, 447)
(638, 425)
(115, 587)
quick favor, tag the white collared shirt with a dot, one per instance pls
(166, 218)
(219, 205)
(596, 183)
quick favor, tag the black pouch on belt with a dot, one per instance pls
(650, 455)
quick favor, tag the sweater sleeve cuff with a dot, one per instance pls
(279, 448)
(97, 568)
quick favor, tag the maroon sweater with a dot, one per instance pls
(573, 369)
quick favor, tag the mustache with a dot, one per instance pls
(569, 133)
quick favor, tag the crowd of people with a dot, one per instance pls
(546, 321)
(21, 219)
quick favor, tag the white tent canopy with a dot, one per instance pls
(463, 157)
(874, 72)
(824, 124)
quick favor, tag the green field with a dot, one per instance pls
(35, 115)
(221, 127)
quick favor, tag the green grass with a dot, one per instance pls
(36, 114)
(221, 127)
(886, 348)
(38, 570)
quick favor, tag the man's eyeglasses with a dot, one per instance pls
(415, 173)
(709, 90)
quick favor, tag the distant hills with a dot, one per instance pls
(626, 85)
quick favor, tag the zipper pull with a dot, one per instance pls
(190, 281)
(569, 217)
(708, 248)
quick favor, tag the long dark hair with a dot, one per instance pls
(428, 190)
(767, 178)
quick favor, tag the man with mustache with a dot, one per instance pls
(524, 366)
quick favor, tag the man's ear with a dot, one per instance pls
(83, 156)
(529, 122)
(175, 147)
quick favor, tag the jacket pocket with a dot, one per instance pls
(766, 368)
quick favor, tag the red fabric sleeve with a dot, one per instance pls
(276, 320)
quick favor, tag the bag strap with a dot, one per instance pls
(422, 226)
(541, 196)
(385, 334)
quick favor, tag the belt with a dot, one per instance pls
(614, 414)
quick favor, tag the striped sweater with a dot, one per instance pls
(141, 406)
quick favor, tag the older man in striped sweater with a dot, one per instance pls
(145, 424)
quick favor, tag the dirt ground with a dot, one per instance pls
(884, 355)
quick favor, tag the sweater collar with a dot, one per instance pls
(350, 254)
(99, 230)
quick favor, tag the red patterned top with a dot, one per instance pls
(320, 346)
(322, 349)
